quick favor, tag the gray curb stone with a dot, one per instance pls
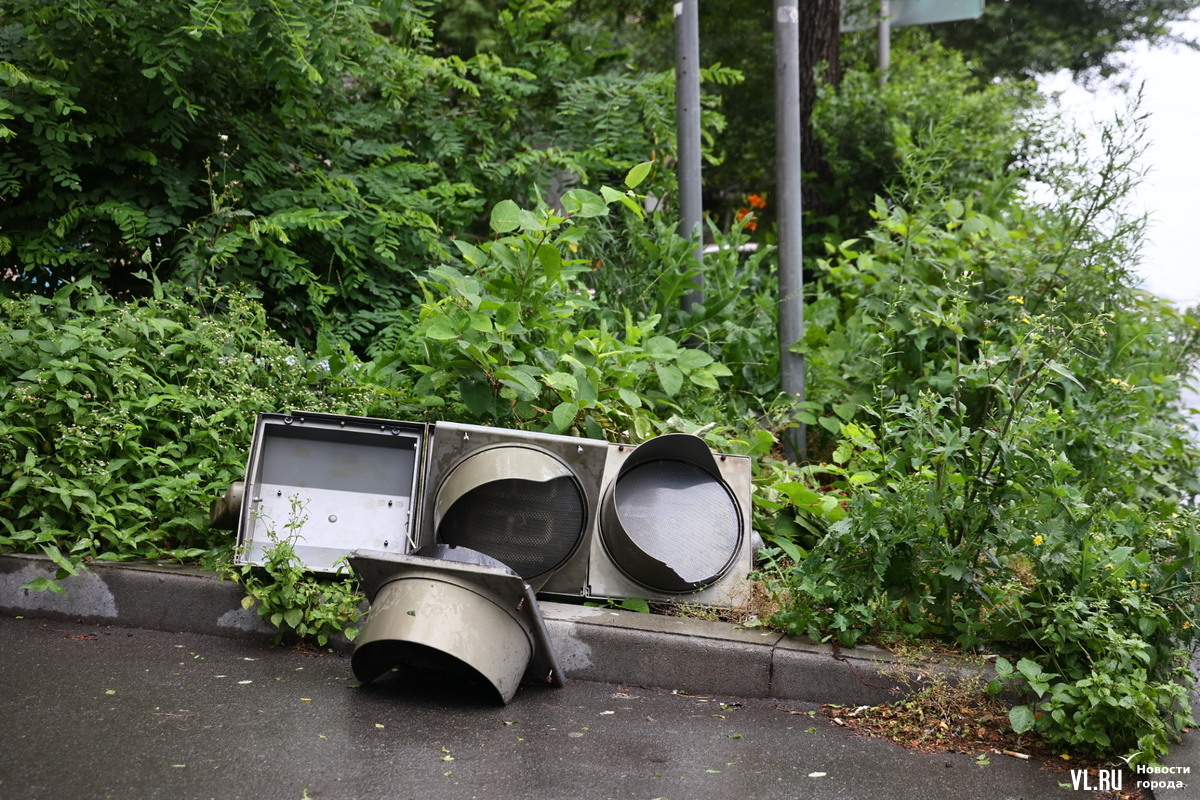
(696, 656)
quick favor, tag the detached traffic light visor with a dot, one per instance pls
(455, 611)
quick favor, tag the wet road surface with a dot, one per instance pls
(96, 712)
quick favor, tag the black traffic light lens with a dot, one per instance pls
(671, 526)
(530, 526)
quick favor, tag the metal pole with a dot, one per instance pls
(789, 205)
(885, 39)
(687, 124)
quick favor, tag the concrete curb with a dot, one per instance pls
(615, 646)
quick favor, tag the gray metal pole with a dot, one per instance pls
(687, 124)
(789, 205)
(885, 40)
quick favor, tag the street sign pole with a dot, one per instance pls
(687, 125)
(885, 39)
(789, 203)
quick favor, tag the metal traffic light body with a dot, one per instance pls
(573, 517)
(664, 520)
(674, 524)
(455, 612)
(527, 499)
(330, 484)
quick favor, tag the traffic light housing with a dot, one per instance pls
(573, 517)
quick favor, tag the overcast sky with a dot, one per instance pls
(1171, 77)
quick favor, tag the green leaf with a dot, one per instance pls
(562, 381)
(508, 316)
(477, 397)
(630, 398)
(613, 196)
(1021, 718)
(798, 493)
(564, 415)
(792, 550)
(293, 617)
(1030, 669)
(831, 424)
(660, 345)
(44, 584)
(442, 329)
(526, 385)
(506, 217)
(670, 378)
(470, 253)
(1059, 369)
(638, 174)
(689, 358)
(551, 261)
(704, 378)
(635, 604)
(583, 203)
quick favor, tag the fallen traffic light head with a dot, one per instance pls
(527, 499)
(669, 521)
(455, 611)
(573, 517)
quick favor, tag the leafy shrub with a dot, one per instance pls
(123, 420)
(322, 152)
(511, 334)
(1024, 471)
(933, 118)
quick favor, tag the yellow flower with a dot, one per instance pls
(1037, 540)
(1016, 298)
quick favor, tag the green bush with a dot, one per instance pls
(320, 151)
(933, 118)
(511, 335)
(1023, 469)
(123, 420)
(290, 597)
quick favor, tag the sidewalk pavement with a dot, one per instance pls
(608, 646)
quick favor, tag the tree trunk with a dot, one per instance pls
(820, 60)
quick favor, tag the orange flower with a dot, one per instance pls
(757, 201)
(742, 214)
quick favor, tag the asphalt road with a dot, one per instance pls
(107, 712)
